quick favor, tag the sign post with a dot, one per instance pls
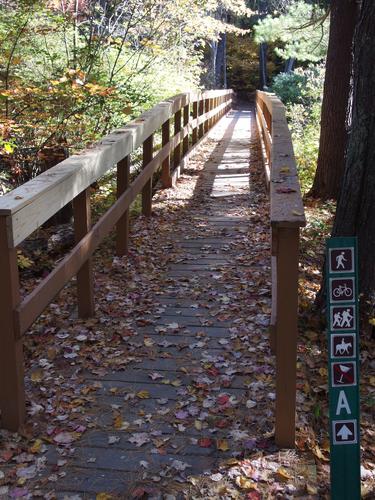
(343, 332)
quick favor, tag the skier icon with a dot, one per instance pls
(346, 319)
(340, 261)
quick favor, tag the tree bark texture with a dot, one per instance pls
(263, 76)
(355, 213)
(333, 135)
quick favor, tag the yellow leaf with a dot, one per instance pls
(176, 383)
(372, 321)
(222, 445)
(245, 484)
(104, 496)
(372, 381)
(143, 394)
(284, 170)
(148, 342)
(198, 425)
(282, 474)
(117, 422)
(37, 375)
(297, 212)
(323, 372)
(311, 490)
(36, 446)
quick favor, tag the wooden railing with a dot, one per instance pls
(287, 216)
(26, 208)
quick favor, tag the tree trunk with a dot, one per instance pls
(355, 213)
(220, 79)
(289, 64)
(333, 135)
(263, 65)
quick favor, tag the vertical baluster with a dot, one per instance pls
(148, 153)
(177, 129)
(286, 334)
(200, 113)
(85, 285)
(205, 125)
(122, 227)
(194, 138)
(12, 391)
(166, 178)
(185, 144)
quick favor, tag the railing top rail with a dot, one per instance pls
(61, 184)
(285, 193)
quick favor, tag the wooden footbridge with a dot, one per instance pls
(223, 260)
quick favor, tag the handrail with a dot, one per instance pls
(287, 216)
(26, 208)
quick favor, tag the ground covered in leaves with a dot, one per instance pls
(169, 391)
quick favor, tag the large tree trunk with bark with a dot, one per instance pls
(333, 135)
(355, 213)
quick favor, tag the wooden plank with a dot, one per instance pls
(166, 171)
(286, 335)
(85, 283)
(122, 229)
(186, 116)
(12, 391)
(177, 149)
(194, 126)
(148, 152)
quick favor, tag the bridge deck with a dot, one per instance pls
(177, 373)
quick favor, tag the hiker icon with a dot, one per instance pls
(340, 261)
(343, 320)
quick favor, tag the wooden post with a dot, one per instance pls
(122, 227)
(177, 129)
(12, 391)
(194, 138)
(206, 109)
(185, 143)
(286, 334)
(166, 178)
(85, 283)
(200, 113)
(148, 153)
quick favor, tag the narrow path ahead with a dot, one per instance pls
(176, 375)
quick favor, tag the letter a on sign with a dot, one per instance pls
(342, 404)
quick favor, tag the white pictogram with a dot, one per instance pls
(343, 348)
(340, 261)
(342, 291)
(342, 319)
(343, 369)
(344, 433)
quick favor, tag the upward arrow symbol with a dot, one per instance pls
(344, 433)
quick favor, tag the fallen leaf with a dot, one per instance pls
(245, 484)
(143, 395)
(204, 442)
(283, 475)
(222, 445)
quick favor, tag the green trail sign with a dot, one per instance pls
(343, 332)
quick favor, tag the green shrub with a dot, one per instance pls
(301, 92)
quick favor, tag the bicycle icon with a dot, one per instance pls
(342, 291)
